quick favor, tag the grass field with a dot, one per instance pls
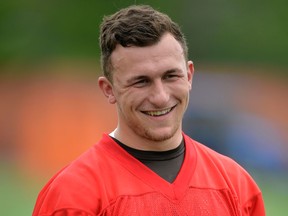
(275, 192)
(18, 193)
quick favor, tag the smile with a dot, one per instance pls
(159, 112)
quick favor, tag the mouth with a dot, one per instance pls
(159, 112)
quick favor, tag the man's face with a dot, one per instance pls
(150, 88)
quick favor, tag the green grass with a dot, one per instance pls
(276, 202)
(17, 193)
(275, 192)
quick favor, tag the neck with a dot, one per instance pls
(142, 143)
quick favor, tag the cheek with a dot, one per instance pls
(131, 98)
(181, 90)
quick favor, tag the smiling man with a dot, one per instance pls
(147, 165)
(150, 87)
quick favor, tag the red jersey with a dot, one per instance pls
(106, 180)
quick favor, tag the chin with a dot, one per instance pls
(159, 136)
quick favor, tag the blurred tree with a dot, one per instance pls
(237, 31)
(217, 31)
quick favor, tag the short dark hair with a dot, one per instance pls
(136, 25)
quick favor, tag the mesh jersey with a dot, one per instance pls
(106, 180)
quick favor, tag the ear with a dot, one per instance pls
(107, 88)
(190, 72)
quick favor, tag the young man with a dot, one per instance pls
(147, 165)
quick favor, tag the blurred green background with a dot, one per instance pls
(240, 32)
(49, 63)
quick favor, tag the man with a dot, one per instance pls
(147, 165)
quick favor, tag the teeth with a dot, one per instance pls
(158, 113)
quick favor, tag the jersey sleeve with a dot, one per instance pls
(254, 206)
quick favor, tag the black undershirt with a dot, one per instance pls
(165, 163)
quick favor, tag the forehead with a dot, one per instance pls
(165, 53)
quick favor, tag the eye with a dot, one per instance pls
(171, 76)
(141, 83)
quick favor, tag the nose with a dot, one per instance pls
(159, 94)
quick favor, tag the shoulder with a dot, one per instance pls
(206, 155)
(66, 190)
(71, 186)
(219, 164)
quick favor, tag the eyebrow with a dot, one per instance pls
(172, 71)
